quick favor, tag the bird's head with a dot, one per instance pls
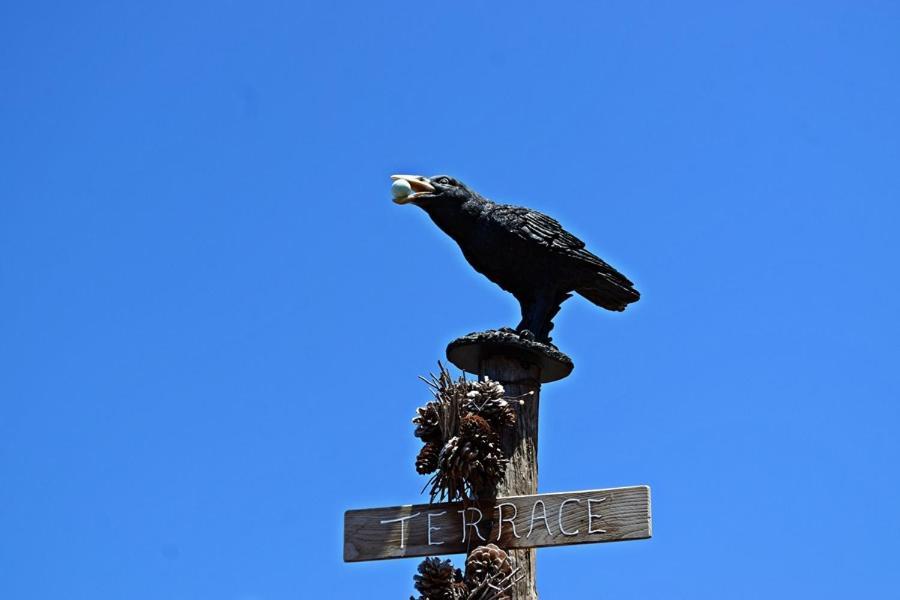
(429, 192)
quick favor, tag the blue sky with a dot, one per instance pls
(212, 317)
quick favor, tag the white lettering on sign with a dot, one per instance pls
(562, 530)
(403, 521)
(511, 520)
(592, 516)
(501, 519)
(432, 528)
(472, 524)
(543, 516)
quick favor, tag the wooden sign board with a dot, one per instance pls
(563, 519)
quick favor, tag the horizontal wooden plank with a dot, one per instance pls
(559, 519)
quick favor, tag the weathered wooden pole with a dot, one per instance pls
(520, 444)
(520, 365)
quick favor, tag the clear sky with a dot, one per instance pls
(212, 318)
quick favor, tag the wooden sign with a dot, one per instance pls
(563, 519)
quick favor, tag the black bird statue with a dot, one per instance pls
(525, 252)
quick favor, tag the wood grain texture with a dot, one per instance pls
(520, 445)
(515, 523)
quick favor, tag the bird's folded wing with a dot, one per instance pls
(547, 231)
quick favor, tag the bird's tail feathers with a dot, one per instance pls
(607, 292)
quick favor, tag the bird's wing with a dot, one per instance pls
(546, 231)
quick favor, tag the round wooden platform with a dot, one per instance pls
(468, 352)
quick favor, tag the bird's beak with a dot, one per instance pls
(418, 184)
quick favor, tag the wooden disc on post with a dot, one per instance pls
(471, 351)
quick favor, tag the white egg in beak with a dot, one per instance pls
(407, 188)
(400, 189)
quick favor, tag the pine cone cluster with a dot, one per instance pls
(438, 580)
(489, 576)
(461, 431)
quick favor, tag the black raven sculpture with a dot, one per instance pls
(526, 253)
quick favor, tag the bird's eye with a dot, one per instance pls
(444, 180)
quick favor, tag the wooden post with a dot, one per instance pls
(520, 365)
(518, 378)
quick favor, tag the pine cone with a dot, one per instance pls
(476, 427)
(470, 463)
(428, 423)
(487, 562)
(484, 475)
(438, 580)
(486, 389)
(427, 460)
(452, 469)
(484, 470)
(486, 399)
(459, 590)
